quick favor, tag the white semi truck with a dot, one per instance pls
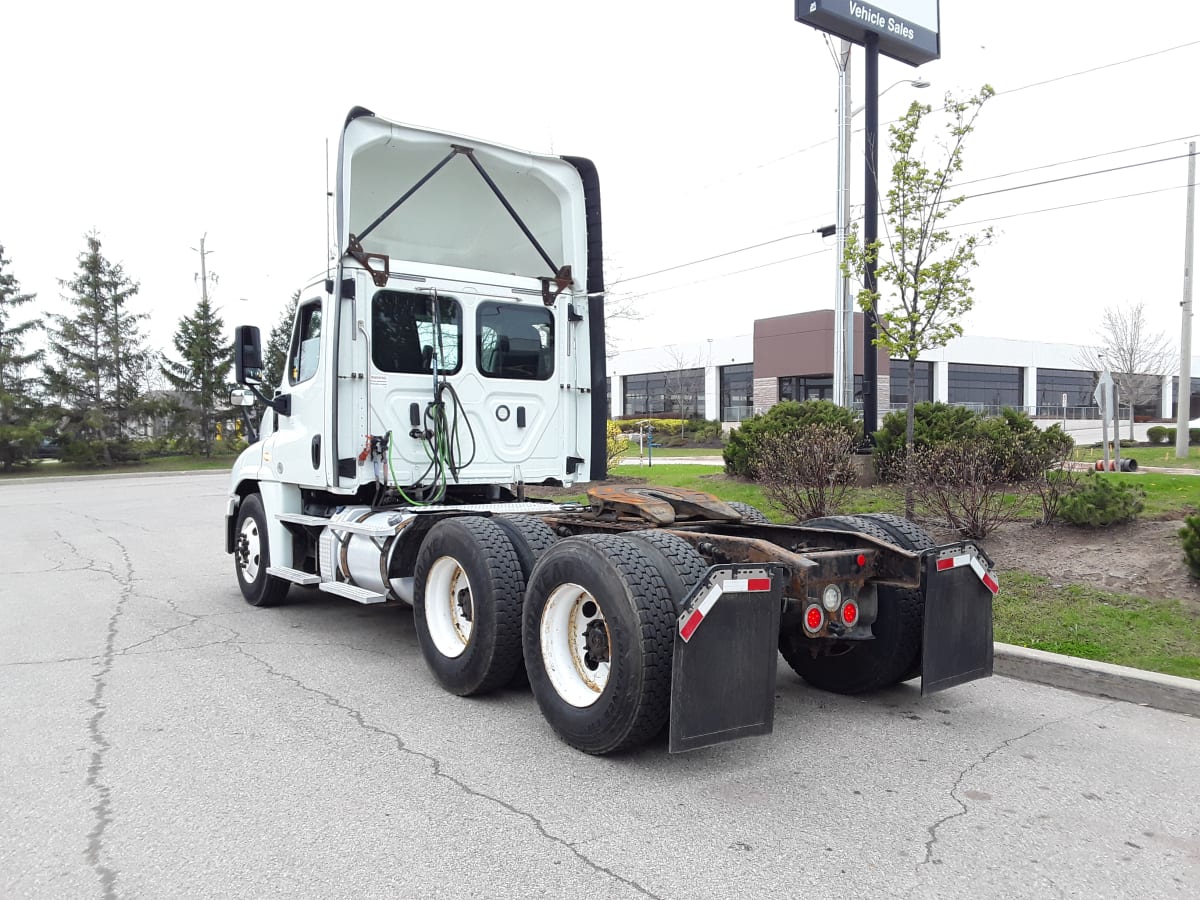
(453, 357)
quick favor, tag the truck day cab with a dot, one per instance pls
(455, 355)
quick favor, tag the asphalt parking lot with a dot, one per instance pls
(159, 738)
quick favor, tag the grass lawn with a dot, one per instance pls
(48, 467)
(632, 452)
(1162, 456)
(1157, 635)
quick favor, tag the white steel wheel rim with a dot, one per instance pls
(253, 551)
(449, 607)
(576, 675)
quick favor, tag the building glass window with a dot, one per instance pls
(812, 387)
(1194, 411)
(922, 382)
(1053, 383)
(514, 341)
(675, 394)
(985, 388)
(406, 337)
(737, 392)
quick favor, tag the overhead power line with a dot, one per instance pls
(1120, 62)
(1067, 162)
(1020, 187)
(1032, 212)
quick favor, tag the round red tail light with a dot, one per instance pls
(850, 612)
(814, 618)
(862, 560)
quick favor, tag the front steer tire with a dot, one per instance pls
(467, 605)
(252, 556)
(598, 631)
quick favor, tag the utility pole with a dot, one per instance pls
(1183, 408)
(204, 276)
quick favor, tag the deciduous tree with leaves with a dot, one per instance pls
(98, 356)
(923, 285)
(202, 373)
(19, 432)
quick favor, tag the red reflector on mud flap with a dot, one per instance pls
(688, 628)
(988, 579)
(689, 624)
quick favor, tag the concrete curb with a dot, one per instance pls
(1168, 692)
(59, 479)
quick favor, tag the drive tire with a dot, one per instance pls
(467, 595)
(910, 536)
(252, 556)
(531, 537)
(863, 666)
(679, 563)
(607, 588)
(751, 515)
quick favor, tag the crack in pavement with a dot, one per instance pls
(100, 744)
(439, 772)
(964, 809)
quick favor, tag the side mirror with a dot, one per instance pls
(239, 397)
(247, 355)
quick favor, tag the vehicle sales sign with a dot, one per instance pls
(907, 29)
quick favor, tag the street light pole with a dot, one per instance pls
(843, 308)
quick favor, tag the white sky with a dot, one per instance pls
(712, 126)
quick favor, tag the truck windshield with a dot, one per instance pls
(406, 338)
(515, 341)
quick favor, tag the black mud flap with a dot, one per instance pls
(958, 647)
(726, 650)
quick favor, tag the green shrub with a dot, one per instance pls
(933, 423)
(742, 450)
(1156, 434)
(1190, 533)
(1097, 502)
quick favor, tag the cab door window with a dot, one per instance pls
(514, 341)
(305, 352)
(409, 335)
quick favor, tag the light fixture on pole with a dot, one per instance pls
(843, 306)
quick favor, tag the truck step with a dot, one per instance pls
(301, 519)
(364, 528)
(348, 527)
(357, 594)
(295, 576)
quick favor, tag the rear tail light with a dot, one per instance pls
(850, 612)
(814, 619)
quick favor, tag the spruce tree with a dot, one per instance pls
(276, 352)
(99, 356)
(19, 432)
(203, 373)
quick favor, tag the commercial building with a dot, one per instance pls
(791, 358)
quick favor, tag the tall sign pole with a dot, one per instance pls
(871, 233)
(1183, 408)
(904, 30)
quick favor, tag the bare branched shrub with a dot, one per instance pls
(807, 472)
(963, 484)
(1053, 480)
